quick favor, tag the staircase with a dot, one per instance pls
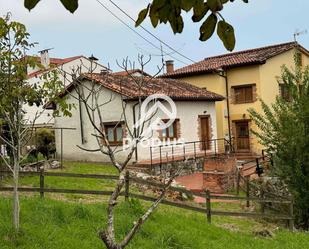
(245, 156)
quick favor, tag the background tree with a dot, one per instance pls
(171, 11)
(284, 131)
(15, 93)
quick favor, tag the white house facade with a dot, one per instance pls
(67, 66)
(120, 111)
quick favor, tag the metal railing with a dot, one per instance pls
(259, 163)
(176, 151)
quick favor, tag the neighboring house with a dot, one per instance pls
(195, 112)
(66, 65)
(242, 77)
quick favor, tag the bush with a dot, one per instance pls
(284, 131)
(45, 140)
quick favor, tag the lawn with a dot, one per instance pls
(74, 183)
(53, 224)
(72, 221)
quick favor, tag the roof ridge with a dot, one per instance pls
(251, 50)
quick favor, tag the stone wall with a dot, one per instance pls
(189, 166)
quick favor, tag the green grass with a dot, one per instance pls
(72, 221)
(74, 183)
(51, 224)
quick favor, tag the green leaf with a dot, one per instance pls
(154, 20)
(208, 27)
(187, 5)
(177, 24)
(214, 5)
(70, 5)
(141, 16)
(227, 35)
(198, 14)
(30, 4)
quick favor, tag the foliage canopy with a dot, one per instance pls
(171, 11)
(284, 131)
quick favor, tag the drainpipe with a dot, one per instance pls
(223, 73)
(81, 122)
(134, 131)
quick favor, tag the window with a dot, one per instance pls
(243, 94)
(170, 132)
(284, 92)
(114, 132)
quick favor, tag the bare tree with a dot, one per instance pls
(88, 92)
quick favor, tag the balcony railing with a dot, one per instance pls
(171, 152)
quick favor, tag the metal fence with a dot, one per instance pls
(196, 149)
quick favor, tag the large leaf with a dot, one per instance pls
(187, 5)
(176, 24)
(141, 16)
(208, 27)
(199, 13)
(155, 11)
(214, 5)
(70, 5)
(227, 35)
(30, 4)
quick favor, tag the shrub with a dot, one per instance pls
(45, 140)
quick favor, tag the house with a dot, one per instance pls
(242, 77)
(66, 65)
(195, 113)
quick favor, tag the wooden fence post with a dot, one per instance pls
(291, 221)
(1, 176)
(127, 186)
(238, 181)
(42, 182)
(262, 203)
(208, 206)
(248, 190)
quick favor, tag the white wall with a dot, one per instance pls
(188, 113)
(46, 117)
(111, 112)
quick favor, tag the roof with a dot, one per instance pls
(133, 72)
(54, 63)
(246, 57)
(127, 86)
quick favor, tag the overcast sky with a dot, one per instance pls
(92, 30)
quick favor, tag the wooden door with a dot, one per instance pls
(205, 133)
(242, 135)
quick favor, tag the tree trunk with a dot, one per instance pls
(16, 207)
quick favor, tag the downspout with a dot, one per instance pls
(81, 121)
(134, 131)
(228, 105)
(223, 73)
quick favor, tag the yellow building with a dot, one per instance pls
(242, 77)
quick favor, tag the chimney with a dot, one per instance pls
(45, 61)
(169, 66)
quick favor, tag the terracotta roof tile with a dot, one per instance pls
(175, 89)
(246, 57)
(131, 72)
